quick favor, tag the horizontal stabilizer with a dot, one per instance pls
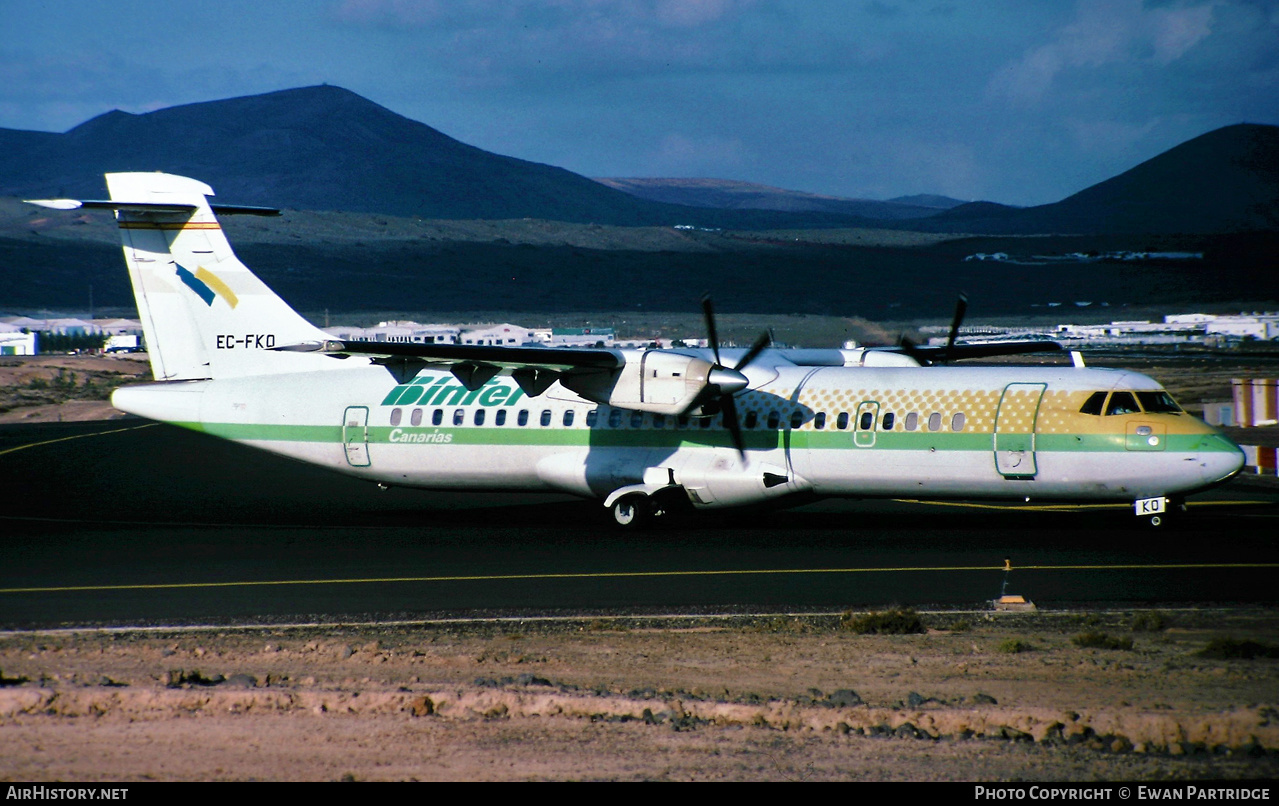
(149, 207)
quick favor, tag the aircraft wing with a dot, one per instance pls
(959, 352)
(533, 368)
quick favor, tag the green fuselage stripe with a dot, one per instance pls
(696, 437)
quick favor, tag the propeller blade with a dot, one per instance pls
(708, 312)
(909, 347)
(733, 426)
(961, 307)
(761, 344)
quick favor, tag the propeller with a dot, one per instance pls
(729, 381)
(961, 307)
(910, 348)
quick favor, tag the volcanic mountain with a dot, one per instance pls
(326, 148)
(1224, 181)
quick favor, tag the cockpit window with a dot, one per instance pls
(1122, 403)
(1158, 403)
(1095, 403)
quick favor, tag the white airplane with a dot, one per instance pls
(644, 431)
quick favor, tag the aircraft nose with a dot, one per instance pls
(1220, 459)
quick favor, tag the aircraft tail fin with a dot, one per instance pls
(204, 314)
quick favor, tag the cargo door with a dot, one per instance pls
(355, 435)
(1015, 430)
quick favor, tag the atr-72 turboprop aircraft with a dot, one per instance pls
(641, 430)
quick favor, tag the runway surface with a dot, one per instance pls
(127, 522)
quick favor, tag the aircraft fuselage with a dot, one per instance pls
(959, 432)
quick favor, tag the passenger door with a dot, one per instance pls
(1015, 430)
(355, 435)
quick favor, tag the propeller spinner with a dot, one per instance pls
(729, 381)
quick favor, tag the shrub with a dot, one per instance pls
(1152, 621)
(1100, 640)
(889, 622)
(1012, 646)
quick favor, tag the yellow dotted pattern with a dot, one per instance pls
(1058, 411)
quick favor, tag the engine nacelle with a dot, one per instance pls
(654, 380)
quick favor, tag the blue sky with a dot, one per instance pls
(1018, 101)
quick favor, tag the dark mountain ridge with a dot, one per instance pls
(1224, 181)
(731, 194)
(326, 148)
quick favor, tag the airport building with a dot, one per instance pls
(16, 342)
(1195, 328)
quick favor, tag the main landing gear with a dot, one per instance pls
(632, 511)
(639, 510)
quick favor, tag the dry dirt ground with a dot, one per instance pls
(978, 697)
(70, 388)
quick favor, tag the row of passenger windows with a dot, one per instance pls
(636, 419)
(1127, 403)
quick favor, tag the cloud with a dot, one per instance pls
(1104, 33)
(1172, 32)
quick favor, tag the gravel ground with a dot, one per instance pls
(978, 697)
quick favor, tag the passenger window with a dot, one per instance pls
(637, 419)
(500, 417)
(706, 422)
(867, 421)
(819, 420)
(889, 421)
(522, 419)
(957, 422)
(912, 421)
(659, 420)
(615, 418)
(459, 416)
(796, 418)
(841, 422)
(479, 417)
(396, 414)
(774, 420)
(681, 421)
(416, 418)
(1158, 403)
(752, 420)
(934, 421)
(568, 418)
(1095, 404)
(592, 417)
(1122, 403)
(545, 419)
(437, 416)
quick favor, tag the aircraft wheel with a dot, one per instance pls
(632, 511)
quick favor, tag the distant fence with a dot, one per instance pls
(1256, 401)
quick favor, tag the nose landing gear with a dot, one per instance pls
(1159, 511)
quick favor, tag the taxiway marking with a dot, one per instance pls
(75, 436)
(628, 575)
